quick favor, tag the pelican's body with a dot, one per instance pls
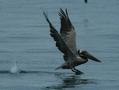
(74, 63)
(66, 43)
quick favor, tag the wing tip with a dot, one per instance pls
(46, 17)
(63, 13)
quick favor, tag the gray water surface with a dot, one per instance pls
(24, 37)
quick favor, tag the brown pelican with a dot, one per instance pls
(66, 43)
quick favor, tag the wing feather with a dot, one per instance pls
(67, 31)
(61, 45)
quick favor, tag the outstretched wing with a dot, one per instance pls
(67, 31)
(61, 45)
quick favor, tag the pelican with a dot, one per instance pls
(66, 43)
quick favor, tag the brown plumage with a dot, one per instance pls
(66, 43)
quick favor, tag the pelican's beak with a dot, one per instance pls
(89, 56)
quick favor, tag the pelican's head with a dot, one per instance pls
(87, 55)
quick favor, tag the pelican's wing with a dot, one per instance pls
(61, 45)
(67, 31)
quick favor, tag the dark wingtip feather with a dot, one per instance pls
(66, 11)
(50, 24)
(62, 13)
(46, 17)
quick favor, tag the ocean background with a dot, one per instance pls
(24, 37)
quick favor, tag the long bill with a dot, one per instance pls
(89, 56)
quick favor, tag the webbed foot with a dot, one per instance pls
(77, 72)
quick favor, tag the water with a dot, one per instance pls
(24, 36)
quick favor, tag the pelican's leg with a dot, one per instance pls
(77, 71)
(73, 70)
